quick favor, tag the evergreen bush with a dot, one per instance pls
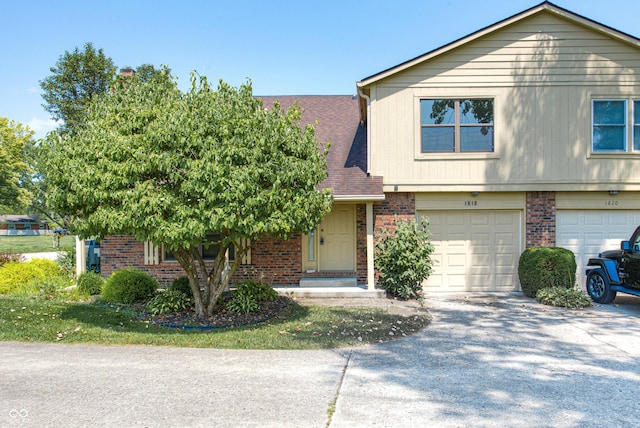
(182, 284)
(90, 283)
(128, 286)
(542, 267)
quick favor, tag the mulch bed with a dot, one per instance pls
(221, 318)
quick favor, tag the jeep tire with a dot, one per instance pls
(599, 287)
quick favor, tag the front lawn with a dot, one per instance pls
(29, 319)
(34, 244)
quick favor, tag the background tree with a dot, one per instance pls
(174, 167)
(77, 77)
(15, 141)
(146, 72)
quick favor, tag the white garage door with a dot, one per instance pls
(588, 232)
(474, 250)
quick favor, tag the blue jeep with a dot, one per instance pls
(615, 270)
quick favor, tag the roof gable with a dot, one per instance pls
(545, 7)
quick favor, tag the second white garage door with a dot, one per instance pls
(475, 250)
(588, 232)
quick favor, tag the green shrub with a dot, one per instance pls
(128, 286)
(23, 277)
(90, 283)
(67, 262)
(182, 284)
(168, 302)
(404, 258)
(243, 304)
(542, 267)
(247, 296)
(260, 290)
(53, 287)
(563, 297)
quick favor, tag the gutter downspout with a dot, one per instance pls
(366, 97)
(371, 273)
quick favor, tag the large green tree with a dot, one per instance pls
(174, 167)
(76, 78)
(15, 141)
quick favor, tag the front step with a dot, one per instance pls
(330, 292)
(328, 282)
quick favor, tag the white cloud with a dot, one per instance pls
(42, 126)
(33, 90)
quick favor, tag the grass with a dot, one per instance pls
(34, 244)
(29, 319)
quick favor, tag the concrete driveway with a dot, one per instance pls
(485, 361)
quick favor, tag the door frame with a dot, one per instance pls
(311, 245)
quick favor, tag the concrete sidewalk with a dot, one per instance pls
(485, 361)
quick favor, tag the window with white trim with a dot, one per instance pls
(611, 132)
(209, 249)
(456, 125)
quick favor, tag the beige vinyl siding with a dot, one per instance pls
(542, 74)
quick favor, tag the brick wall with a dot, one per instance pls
(387, 212)
(275, 261)
(541, 219)
(395, 206)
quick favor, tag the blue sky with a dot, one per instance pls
(285, 47)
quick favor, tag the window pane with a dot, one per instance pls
(476, 111)
(436, 112)
(476, 139)
(636, 138)
(636, 112)
(608, 138)
(608, 113)
(438, 139)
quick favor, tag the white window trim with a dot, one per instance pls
(629, 153)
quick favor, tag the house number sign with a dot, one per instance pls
(611, 203)
(470, 203)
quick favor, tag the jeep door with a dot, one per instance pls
(631, 262)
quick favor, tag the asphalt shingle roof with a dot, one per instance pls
(338, 122)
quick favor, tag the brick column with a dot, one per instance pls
(541, 219)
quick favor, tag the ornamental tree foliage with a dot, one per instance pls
(172, 167)
(77, 77)
(15, 142)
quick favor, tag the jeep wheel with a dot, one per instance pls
(599, 288)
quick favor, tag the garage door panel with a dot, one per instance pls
(506, 260)
(586, 233)
(480, 250)
(456, 260)
(480, 220)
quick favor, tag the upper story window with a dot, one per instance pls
(611, 133)
(456, 126)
